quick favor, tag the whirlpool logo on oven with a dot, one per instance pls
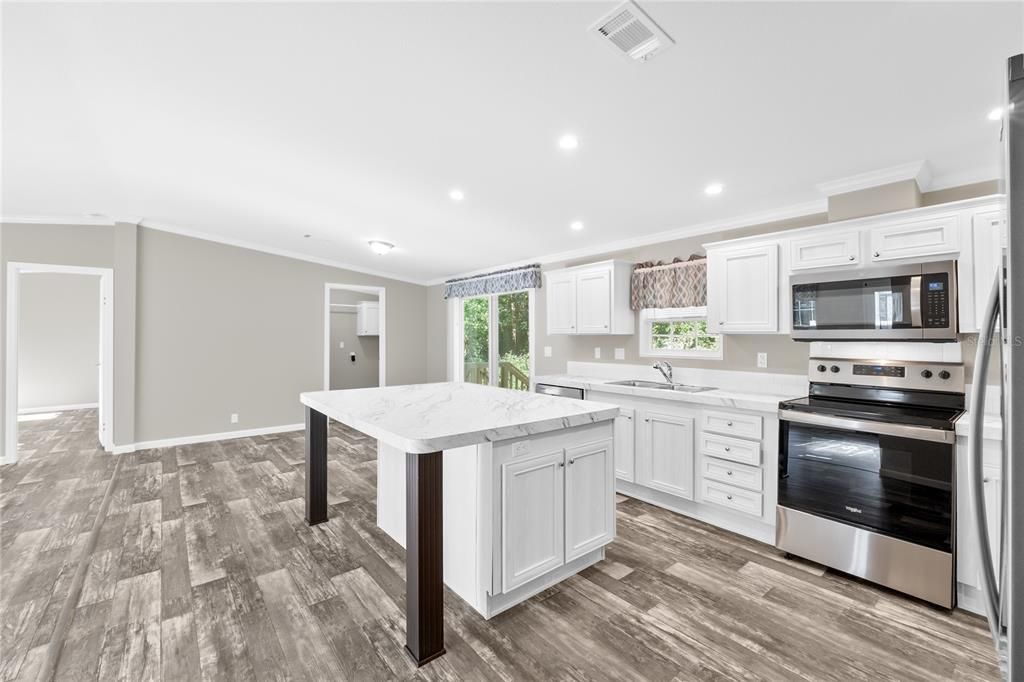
(854, 510)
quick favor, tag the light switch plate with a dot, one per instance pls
(547, 351)
(597, 352)
(341, 344)
(620, 353)
(234, 418)
(762, 359)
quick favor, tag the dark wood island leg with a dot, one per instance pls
(424, 557)
(316, 467)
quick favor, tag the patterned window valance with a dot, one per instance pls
(497, 282)
(679, 284)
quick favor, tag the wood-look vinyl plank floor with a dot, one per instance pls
(205, 570)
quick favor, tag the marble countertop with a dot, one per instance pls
(740, 400)
(421, 418)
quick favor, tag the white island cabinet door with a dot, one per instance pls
(743, 289)
(594, 301)
(533, 518)
(668, 453)
(625, 429)
(589, 498)
(561, 301)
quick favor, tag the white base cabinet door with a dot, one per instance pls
(667, 455)
(589, 502)
(625, 451)
(533, 518)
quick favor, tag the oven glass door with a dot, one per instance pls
(880, 303)
(893, 485)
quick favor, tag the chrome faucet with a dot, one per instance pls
(665, 368)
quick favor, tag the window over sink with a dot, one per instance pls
(678, 333)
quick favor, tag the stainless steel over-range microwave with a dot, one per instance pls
(898, 303)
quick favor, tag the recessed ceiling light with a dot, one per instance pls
(576, 225)
(714, 188)
(568, 141)
(457, 194)
(380, 247)
(996, 114)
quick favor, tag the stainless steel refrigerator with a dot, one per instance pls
(1003, 566)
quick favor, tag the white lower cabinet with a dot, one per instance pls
(968, 566)
(533, 518)
(667, 453)
(716, 465)
(555, 507)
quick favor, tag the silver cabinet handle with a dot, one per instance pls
(877, 254)
(728, 423)
(727, 448)
(728, 497)
(853, 258)
(561, 464)
(648, 421)
(572, 461)
(728, 473)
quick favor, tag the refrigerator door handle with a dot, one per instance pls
(989, 580)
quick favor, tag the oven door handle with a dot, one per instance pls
(865, 426)
(915, 301)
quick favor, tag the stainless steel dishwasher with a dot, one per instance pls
(563, 391)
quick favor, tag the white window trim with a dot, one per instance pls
(456, 342)
(648, 315)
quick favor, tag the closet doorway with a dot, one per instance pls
(354, 336)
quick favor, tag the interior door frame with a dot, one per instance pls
(380, 293)
(106, 357)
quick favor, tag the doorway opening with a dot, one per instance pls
(354, 336)
(59, 361)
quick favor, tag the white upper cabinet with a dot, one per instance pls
(933, 236)
(561, 302)
(981, 260)
(594, 301)
(367, 318)
(743, 289)
(827, 250)
(590, 299)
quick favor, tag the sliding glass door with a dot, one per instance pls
(496, 340)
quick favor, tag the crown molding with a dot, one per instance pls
(915, 170)
(759, 218)
(961, 178)
(88, 220)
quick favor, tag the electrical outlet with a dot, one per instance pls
(762, 359)
(597, 352)
(341, 344)
(620, 353)
(234, 418)
(547, 351)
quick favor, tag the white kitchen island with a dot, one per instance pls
(498, 493)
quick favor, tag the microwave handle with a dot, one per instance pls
(989, 580)
(915, 301)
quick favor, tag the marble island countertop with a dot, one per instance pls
(740, 400)
(421, 418)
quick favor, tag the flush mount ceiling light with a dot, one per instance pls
(568, 142)
(714, 188)
(380, 247)
(996, 114)
(457, 194)
(576, 225)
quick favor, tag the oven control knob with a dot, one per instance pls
(943, 374)
(822, 368)
(926, 373)
(835, 369)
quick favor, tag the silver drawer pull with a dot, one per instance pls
(853, 258)
(727, 448)
(728, 473)
(728, 497)
(728, 423)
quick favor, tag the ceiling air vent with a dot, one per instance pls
(631, 32)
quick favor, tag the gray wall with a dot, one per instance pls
(203, 330)
(345, 373)
(58, 340)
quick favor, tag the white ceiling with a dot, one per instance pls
(264, 122)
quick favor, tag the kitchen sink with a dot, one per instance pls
(685, 388)
(642, 384)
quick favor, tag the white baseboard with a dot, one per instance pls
(206, 438)
(58, 408)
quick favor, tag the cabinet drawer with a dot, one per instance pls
(735, 474)
(732, 497)
(733, 449)
(923, 237)
(842, 248)
(731, 424)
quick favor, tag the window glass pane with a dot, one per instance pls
(475, 321)
(514, 340)
(686, 336)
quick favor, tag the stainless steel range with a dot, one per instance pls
(867, 473)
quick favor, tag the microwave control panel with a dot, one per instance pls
(935, 300)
